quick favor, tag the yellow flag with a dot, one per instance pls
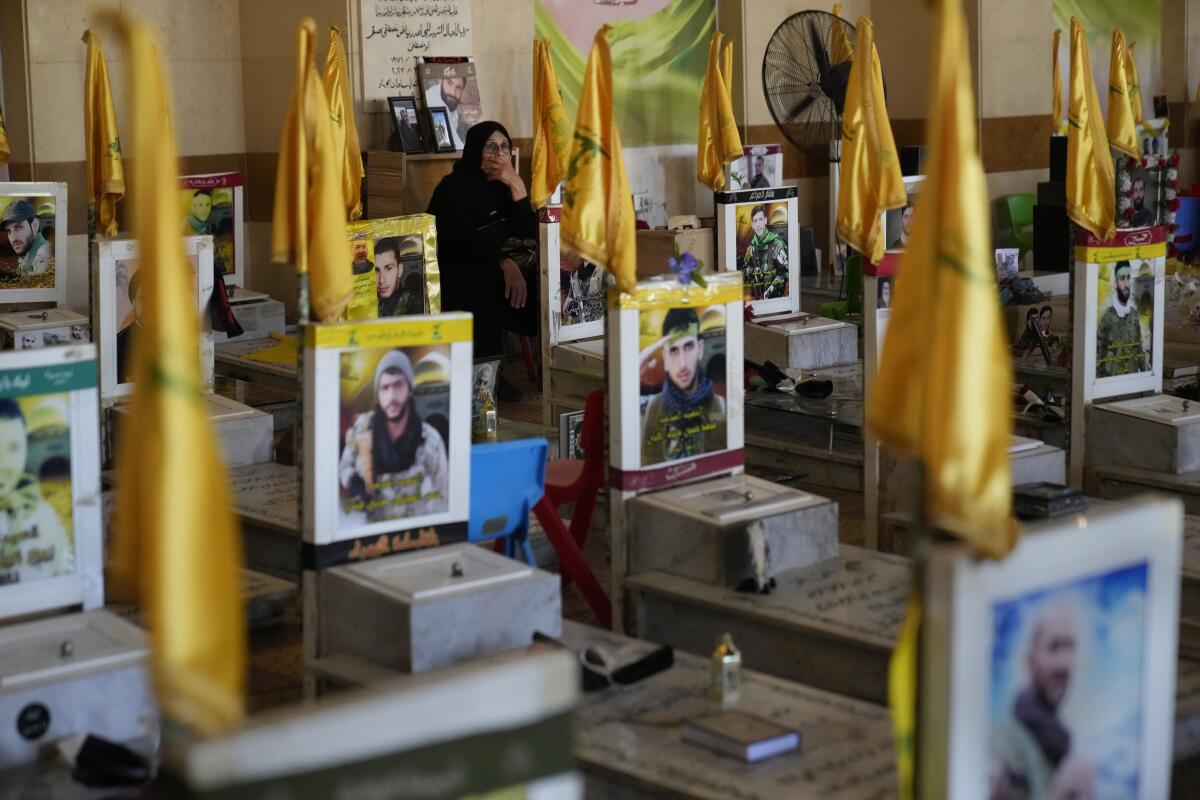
(5, 150)
(1134, 86)
(839, 48)
(597, 218)
(870, 181)
(177, 549)
(345, 129)
(105, 174)
(1056, 115)
(309, 224)
(1122, 123)
(551, 129)
(903, 681)
(945, 377)
(717, 142)
(1091, 186)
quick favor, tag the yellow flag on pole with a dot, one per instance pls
(5, 150)
(1091, 185)
(945, 377)
(177, 549)
(345, 128)
(102, 145)
(870, 181)
(839, 48)
(717, 142)
(1122, 122)
(944, 384)
(1134, 85)
(309, 224)
(551, 129)
(597, 219)
(1056, 114)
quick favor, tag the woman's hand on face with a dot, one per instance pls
(515, 290)
(500, 168)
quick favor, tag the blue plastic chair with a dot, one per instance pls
(1187, 218)
(507, 479)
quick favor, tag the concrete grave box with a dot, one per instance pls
(420, 611)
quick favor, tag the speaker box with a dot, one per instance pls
(1051, 239)
(1050, 193)
(912, 161)
(808, 251)
(1058, 159)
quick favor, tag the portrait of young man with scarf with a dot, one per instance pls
(1119, 349)
(687, 418)
(394, 464)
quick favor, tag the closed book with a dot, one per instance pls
(740, 735)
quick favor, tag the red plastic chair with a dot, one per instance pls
(576, 481)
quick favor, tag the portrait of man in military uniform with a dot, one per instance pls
(581, 290)
(687, 417)
(393, 464)
(1119, 346)
(764, 261)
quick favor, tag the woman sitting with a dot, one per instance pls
(484, 218)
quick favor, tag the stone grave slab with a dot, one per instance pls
(230, 360)
(801, 341)
(1159, 432)
(629, 740)
(831, 625)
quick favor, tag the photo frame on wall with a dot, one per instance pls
(576, 290)
(33, 247)
(1119, 298)
(450, 83)
(366, 494)
(395, 267)
(214, 205)
(1141, 189)
(1066, 647)
(760, 167)
(758, 236)
(440, 130)
(406, 124)
(49, 418)
(897, 223)
(676, 365)
(116, 307)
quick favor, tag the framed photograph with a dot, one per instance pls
(117, 308)
(1152, 138)
(33, 247)
(760, 167)
(758, 234)
(897, 223)
(214, 205)
(50, 481)
(450, 84)
(388, 453)
(1119, 294)
(406, 124)
(576, 289)
(1051, 672)
(1141, 185)
(570, 431)
(675, 416)
(395, 267)
(440, 130)
(483, 384)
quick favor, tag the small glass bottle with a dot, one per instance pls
(726, 685)
(486, 424)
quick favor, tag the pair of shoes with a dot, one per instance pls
(505, 390)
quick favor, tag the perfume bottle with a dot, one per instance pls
(726, 685)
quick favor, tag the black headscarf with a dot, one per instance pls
(477, 136)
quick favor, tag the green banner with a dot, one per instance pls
(659, 53)
(1139, 20)
(47, 379)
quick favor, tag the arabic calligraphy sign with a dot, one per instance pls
(395, 33)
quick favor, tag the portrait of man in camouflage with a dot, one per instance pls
(764, 263)
(1119, 346)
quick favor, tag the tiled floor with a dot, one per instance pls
(275, 672)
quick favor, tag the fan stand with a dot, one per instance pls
(836, 257)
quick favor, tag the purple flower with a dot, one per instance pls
(686, 267)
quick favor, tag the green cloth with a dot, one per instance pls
(197, 225)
